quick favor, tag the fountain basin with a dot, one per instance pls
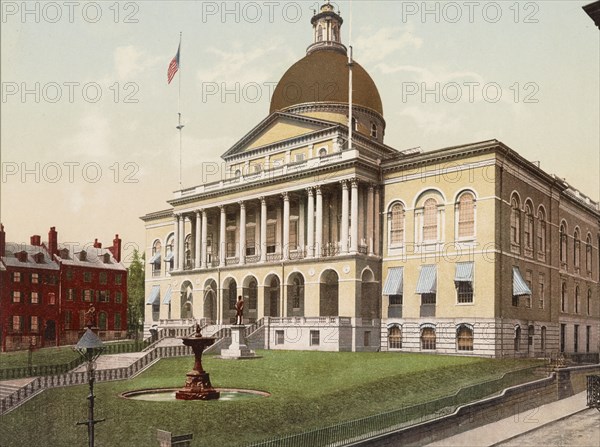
(168, 394)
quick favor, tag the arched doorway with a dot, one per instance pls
(250, 294)
(295, 295)
(230, 293)
(187, 301)
(272, 296)
(209, 309)
(329, 294)
(369, 295)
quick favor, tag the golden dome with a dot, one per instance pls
(322, 77)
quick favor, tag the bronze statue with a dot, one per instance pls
(239, 310)
(90, 316)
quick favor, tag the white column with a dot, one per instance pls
(286, 227)
(311, 223)
(222, 238)
(242, 233)
(198, 239)
(377, 224)
(176, 244)
(354, 218)
(181, 253)
(263, 229)
(301, 218)
(319, 229)
(344, 223)
(370, 217)
(204, 238)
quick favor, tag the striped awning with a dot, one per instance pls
(464, 272)
(427, 279)
(167, 298)
(168, 256)
(155, 259)
(520, 287)
(154, 297)
(394, 282)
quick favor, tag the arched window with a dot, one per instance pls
(543, 339)
(430, 220)
(395, 337)
(156, 258)
(428, 338)
(169, 253)
(397, 224)
(541, 234)
(320, 34)
(563, 243)
(576, 249)
(466, 216)
(563, 297)
(188, 252)
(528, 233)
(515, 221)
(576, 299)
(334, 33)
(588, 254)
(517, 338)
(252, 295)
(464, 338)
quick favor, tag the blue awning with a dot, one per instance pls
(155, 259)
(464, 272)
(520, 287)
(169, 256)
(154, 297)
(394, 282)
(167, 298)
(427, 279)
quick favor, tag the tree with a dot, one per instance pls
(135, 293)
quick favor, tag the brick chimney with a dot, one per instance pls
(36, 240)
(52, 242)
(97, 244)
(2, 241)
(116, 248)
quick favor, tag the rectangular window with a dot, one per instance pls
(103, 278)
(51, 279)
(51, 298)
(231, 243)
(315, 338)
(68, 319)
(588, 338)
(35, 278)
(428, 298)
(34, 324)
(119, 279)
(528, 280)
(118, 297)
(542, 291)
(279, 337)
(117, 322)
(103, 296)
(576, 338)
(87, 295)
(271, 241)
(34, 298)
(16, 276)
(515, 300)
(17, 323)
(293, 234)
(464, 290)
(69, 275)
(87, 276)
(70, 294)
(250, 242)
(395, 300)
(563, 330)
(16, 296)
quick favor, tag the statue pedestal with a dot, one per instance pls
(238, 350)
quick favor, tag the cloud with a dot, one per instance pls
(90, 140)
(433, 122)
(130, 62)
(421, 74)
(374, 47)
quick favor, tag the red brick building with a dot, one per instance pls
(46, 289)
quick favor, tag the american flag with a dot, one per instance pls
(173, 66)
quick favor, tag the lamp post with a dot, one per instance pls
(90, 347)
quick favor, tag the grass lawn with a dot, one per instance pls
(309, 390)
(43, 356)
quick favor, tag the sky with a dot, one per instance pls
(88, 137)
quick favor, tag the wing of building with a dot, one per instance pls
(339, 242)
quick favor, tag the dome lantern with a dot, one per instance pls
(326, 30)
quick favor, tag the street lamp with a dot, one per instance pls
(90, 347)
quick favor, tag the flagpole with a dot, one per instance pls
(179, 125)
(350, 63)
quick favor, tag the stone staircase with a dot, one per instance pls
(8, 387)
(114, 361)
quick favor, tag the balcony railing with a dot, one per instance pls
(232, 261)
(271, 257)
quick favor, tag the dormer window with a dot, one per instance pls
(106, 258)
(64, 253)
(83, 255)
(21, 256)
(39, 258)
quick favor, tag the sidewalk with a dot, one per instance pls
(507, 429)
